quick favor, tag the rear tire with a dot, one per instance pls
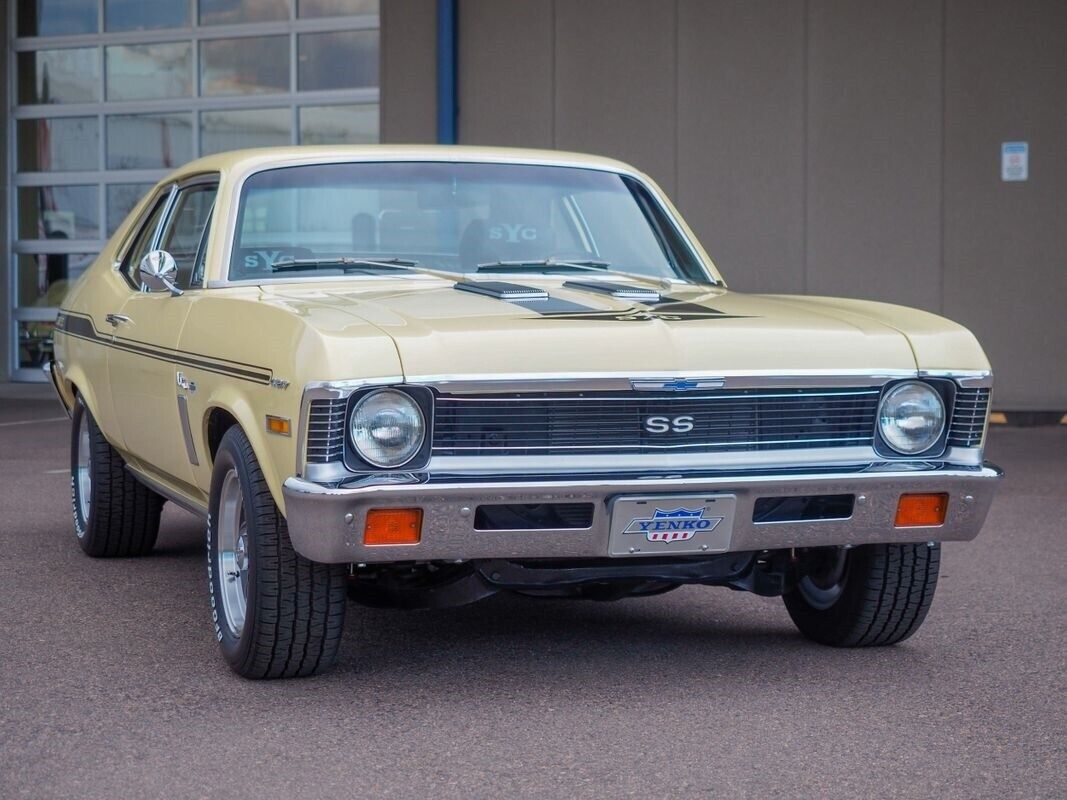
(115, 515)
(866, 597)
(276, 614)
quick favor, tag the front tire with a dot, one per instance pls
(115, 515)
(276, 614)
(869, 596)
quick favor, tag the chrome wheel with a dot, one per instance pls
(822, 587)
(232, 565)
(83, 476)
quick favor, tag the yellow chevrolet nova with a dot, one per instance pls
(415, 377)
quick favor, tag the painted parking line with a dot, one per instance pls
(63, 471)
(32, 421)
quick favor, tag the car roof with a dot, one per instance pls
(253, 160)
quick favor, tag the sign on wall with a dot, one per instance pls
(1014, 161)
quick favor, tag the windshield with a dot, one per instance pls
(357, 218)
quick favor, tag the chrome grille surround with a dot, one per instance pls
(554, 423)
(969, 414)
(318, 438)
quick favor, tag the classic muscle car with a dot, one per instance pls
(417, 376)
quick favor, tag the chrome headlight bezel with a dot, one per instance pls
(359, 459)
(933, 444)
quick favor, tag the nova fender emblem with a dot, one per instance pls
(677, 525)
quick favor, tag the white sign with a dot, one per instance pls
(1014, 161)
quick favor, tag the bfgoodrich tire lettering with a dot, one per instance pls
(294, 608)
(884, 594)
(114, 514)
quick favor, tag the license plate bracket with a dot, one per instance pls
(660, 525)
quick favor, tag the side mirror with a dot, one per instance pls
(159, 272)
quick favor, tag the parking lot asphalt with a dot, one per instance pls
(111, 687)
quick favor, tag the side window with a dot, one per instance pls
(142, 243)
(184, 232)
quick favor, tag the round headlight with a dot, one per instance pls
(387, 428)
(912, 417)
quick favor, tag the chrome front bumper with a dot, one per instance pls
(326, 522)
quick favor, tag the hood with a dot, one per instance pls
(558, 327)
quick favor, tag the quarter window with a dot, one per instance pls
(185, 231)
(142, 244)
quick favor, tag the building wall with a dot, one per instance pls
(408, 77)
(1005, 244)
(846, 147)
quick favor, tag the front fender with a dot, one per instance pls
(274, 453)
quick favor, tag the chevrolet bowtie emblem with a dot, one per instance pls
(677, 384)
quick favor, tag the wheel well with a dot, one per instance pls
(218, 422)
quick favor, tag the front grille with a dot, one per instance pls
(326, 431)
(968, 417)
(548, 423)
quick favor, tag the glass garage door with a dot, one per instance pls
(110, 95)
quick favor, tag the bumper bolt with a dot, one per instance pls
(349, 518)
(464, 512)
(861, 499)
(968, 498)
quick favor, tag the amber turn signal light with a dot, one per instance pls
(921, 510)
(278, 425)
(393, 526)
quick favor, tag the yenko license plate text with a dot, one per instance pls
(671, 525)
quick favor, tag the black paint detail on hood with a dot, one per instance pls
(502, 290)
(530, 297)
(669, 309)
(625, 291)
(635, 314)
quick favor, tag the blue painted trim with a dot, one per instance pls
(446, 72)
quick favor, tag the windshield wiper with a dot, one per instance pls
(544, 264)
(345, 263)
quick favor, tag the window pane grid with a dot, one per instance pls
(91, 135)
(198, 33)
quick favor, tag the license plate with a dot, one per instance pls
(661, 525)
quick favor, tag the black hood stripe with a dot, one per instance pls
(517, 294)
(533, 298)
(623, 291)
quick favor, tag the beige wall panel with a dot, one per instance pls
(505, 73)
(874, 150)
(615, 82)
(741, 137)
(409, 71)
(1006, 243)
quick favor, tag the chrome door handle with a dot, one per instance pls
(185, 383)
(117, 319)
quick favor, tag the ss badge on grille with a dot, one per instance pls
(665, 424)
